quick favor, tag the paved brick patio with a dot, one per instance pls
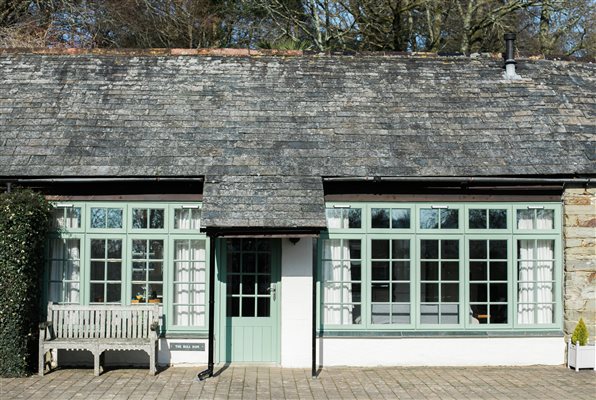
(535, 382)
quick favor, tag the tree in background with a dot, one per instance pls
(549, 27)
(559, 27)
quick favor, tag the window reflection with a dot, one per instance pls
(110, 218)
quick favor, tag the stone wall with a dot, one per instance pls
(580, 258)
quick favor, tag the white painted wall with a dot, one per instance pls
(165, 356)
(440, 351)
(362, 352)
(296, 303)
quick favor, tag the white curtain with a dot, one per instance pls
(525, 219)
(545, 219)
(336, 218)
(187, 218)
(65, 264)
(189, 289)
(544, 276)
(525, 294)
(535, 287)
(337, 288)
(535, 219)
(66, 218)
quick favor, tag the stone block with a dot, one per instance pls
(584, 242)
(587, 265)
(579, 192)
(579, 232)
(580, 253)
(587, 209)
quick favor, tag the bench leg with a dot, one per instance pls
(96, 362)
(152, 360)
(42, 361)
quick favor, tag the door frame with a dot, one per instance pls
(221, 335)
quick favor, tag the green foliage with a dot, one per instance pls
(284, 44)
(24, 218)
(580, 333)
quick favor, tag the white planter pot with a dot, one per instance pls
(581, 356)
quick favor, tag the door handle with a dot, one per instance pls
(271, 290)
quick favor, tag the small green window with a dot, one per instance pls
(482, 218)
(106, 218)
(439, 217)
(535, 218)
(66, 217)
(390, 218)
(340, 217)
(187, 218)
(148, 218)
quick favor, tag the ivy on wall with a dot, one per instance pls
(24, 220)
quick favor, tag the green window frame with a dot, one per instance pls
(105, 217)
(148, 218)
(185, 217)
(483, 290)
(345, 217)
(141, 278)
(387, 217)
(67, 217)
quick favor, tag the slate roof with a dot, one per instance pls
(264, 130)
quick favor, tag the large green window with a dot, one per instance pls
(441, 266)
(130, 253)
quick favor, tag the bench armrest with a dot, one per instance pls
(45, 325)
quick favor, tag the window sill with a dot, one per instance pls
(440, 334)
(185, 335)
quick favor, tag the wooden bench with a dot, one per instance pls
(98, 328)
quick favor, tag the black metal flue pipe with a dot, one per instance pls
(509, 48)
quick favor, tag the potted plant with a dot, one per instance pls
(580, 354)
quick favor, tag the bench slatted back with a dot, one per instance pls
(102, 321)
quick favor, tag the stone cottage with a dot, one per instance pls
(368, 209)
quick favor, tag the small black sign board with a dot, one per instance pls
(187, 346)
